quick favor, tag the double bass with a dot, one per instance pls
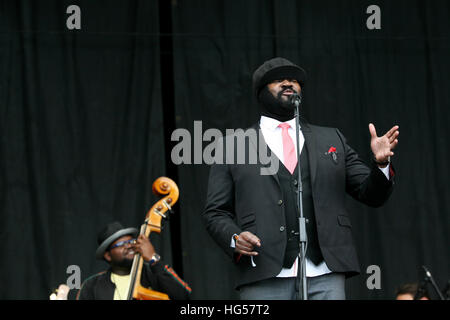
(159, 211)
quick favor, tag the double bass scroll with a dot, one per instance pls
(159, 211)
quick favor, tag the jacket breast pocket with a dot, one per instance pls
(248, 222)
(344, 221)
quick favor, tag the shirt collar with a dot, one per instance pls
(272, 124)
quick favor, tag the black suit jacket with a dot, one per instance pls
(240, 199)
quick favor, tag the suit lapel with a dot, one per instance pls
(310, 142)
(260, 142)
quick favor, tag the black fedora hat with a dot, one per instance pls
(111, 233)
(275, 69)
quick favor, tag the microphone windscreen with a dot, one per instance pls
(295, 98)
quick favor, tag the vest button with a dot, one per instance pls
(280, 202)
(282, 228)
(295, 182)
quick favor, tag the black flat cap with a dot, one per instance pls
(275, 69)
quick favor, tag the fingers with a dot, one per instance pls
(142, 237)
(392, 131)
(250, 238)
(137, 246)
(246, 242)
(144, 247)
(392, 136)
(141, 241)
(246, 252)
(393, 145)
(373, 132)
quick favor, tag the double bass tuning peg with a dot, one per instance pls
(158, 210)
(168, 206)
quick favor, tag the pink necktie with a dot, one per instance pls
(290, 158)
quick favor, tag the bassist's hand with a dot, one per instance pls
(144, 247)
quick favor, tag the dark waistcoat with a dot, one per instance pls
(288, 183)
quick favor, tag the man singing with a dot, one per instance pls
(254, 217)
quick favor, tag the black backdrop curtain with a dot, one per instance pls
(81, 120)
(396, 75)
(84, 117)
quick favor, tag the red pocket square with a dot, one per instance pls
(332, 151)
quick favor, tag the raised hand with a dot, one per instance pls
(382, 146)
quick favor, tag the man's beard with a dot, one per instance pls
(275, 107)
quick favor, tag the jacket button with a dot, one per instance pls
(282, 228)
(280, 202)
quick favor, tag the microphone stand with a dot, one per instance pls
(302, 293)
(429, 277)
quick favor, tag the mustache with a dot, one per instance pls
(285, 89)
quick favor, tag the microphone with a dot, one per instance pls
(296, 99)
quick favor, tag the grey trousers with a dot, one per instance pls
(330, 286)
